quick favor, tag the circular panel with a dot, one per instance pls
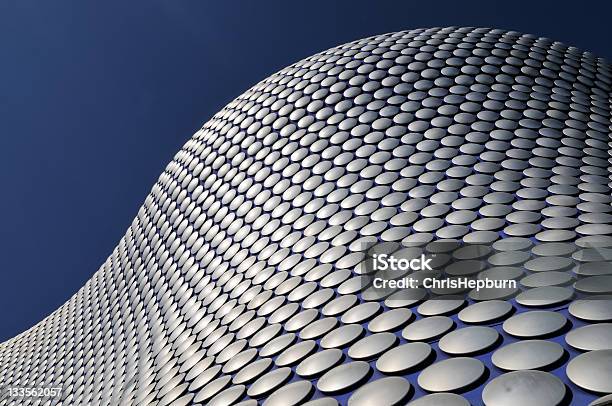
(252, 371)
(269, 382)
(602, 401)
(485, 312)
(339, 305)
(544, 296)
(529, 388)
(228, 396)
(240, 360)
(212, 388)
(600, 284)
(295, 353)
(205, 377)
(318, 328)
(277, 345)
(438, 307)
(529, 354)
(404, 358)
(289, 395)
(326, 401)
(384, 392)
(597, 308)
(342, 336)
(428, 328)
(360, 313)
(371, 346)
(390, 320)
(405, 298)
(319, 362)
(451, 374)
(592, 337)
(592, 371)
(468, 340)
(343, 377)
(535, 323)
(440, 399)
(550, 278)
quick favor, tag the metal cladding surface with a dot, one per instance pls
(240, 278)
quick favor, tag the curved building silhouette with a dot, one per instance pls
(242, 280)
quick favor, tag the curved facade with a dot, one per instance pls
(240, 279)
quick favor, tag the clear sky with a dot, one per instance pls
(97, 96)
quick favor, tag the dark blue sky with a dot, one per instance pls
(96, 97)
